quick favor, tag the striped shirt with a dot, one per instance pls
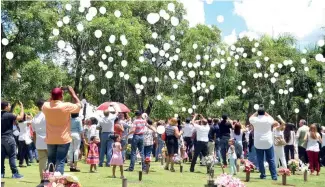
(139, 125)
(170, 130)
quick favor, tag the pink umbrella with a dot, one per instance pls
(120, 107)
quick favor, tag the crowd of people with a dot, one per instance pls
(58, 135)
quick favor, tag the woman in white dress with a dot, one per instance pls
(279, 144)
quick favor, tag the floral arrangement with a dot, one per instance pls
(285, 171)
(147, 160)
(293, 165)
(225, 180)
(209, 161)
(177, 159)
(66, 180)
(248, 166)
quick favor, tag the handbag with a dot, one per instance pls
(164, 136)
(279, 141)
(47, 174)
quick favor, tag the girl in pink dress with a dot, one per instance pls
(117, 159)
(93, 156)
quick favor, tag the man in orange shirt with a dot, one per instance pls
(57, 114)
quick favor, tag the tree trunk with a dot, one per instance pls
(149, 108)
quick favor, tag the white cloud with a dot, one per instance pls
(195, 11)
(231, 39)
(273, 17)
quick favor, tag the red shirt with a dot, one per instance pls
(117, 130)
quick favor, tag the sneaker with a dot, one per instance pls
(100, 165)
(191, 170)
(128, 170)
(166, 168)
(17, 176)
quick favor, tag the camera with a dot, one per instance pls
(64, 88)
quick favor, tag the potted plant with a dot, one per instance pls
(284, 172)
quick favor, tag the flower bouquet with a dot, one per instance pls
(225, 180)
(210, 162)
(248, 168)
(147, 163)
(293, 165)
(66, 180)
(284, 172)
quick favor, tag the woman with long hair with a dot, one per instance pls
(312, 138)
(238, 136)
(172, 136)
(279, 144)
(289, 137)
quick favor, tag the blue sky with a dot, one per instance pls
(301, 18)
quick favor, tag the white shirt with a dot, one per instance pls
(202, 132)
(312, 144)
(24, 131)
(92, 131)
(232, 154)
(238, 138)
(262, 131)
(292, 138)
(107, 123)
(39, 127)
(188, 130)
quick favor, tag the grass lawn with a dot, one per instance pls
(156, 178)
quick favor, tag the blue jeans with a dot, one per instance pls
(252, 157)
(159, 148)
(123, 144)
(224, 146)
(106, 147)
(269, 153)
(8, 148)
(137, 143)
(32, 152)
(57, 154)
(217, 149)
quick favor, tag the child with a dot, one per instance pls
(232, 157)
(117, 158)
(93, 156)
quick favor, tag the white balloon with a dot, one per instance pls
(126, 76)
(266, 75)
(162, 53)
(194, 106)
(189, 64)
(143, 79)
(303, 61)
(103, 91)
(156, 79)
(61, 44)
(112, 39)
(259, 53)
(211, 87)
(273, 79)
(100, 63)
(244, 55)
(166, 46)
(166, 16)
(154, 35)
(4, 41)
(290, 89)
(9, 55)
(256, 106)
(91, 77)
(276, 74)
(223, 66)
(310, 95)
(184, 63)
(108, 49)
(175, 86)
(172, 37)
(153, 18)
(138, 91)
(266, 59)
(272, 102)
(203, 85)
(206, 90)
(296, 110)
(321, 43)
(174, 21)
(198, 57)
(255, 75)
(91, 52)
(218, 103)
(110, 59)
(280, 91)
(80, 27)
(319, 57)
(109, 74)
(158, 97)
(66, 19)
(162, 13)
(306, 69)
(178, 50)
(104, 56)
(183, 109)
(81, 9)
(141, 87)
(244, 91)
(292, 69)
(306, 101)
(218, 75)
(288, 82)
(220, 18)
(56, 32)
(105, 67)
(102, 10)
(239, 87)
(253, 50)
(195, 46)
(190, 110)
(168, 63)
(89, 17)
(207, 73)
(170, 102)
(124, 63)
(201, 98)
(280, 66)
(320, 90)
(92, 11)
(59, 23)
(285, 92)
(171, 7)
(117, 13)
(256, 44)
(98, 33)
(319, 84)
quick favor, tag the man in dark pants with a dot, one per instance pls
(224, 129)
(8, 143)
(188, 133)
(302, 143)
